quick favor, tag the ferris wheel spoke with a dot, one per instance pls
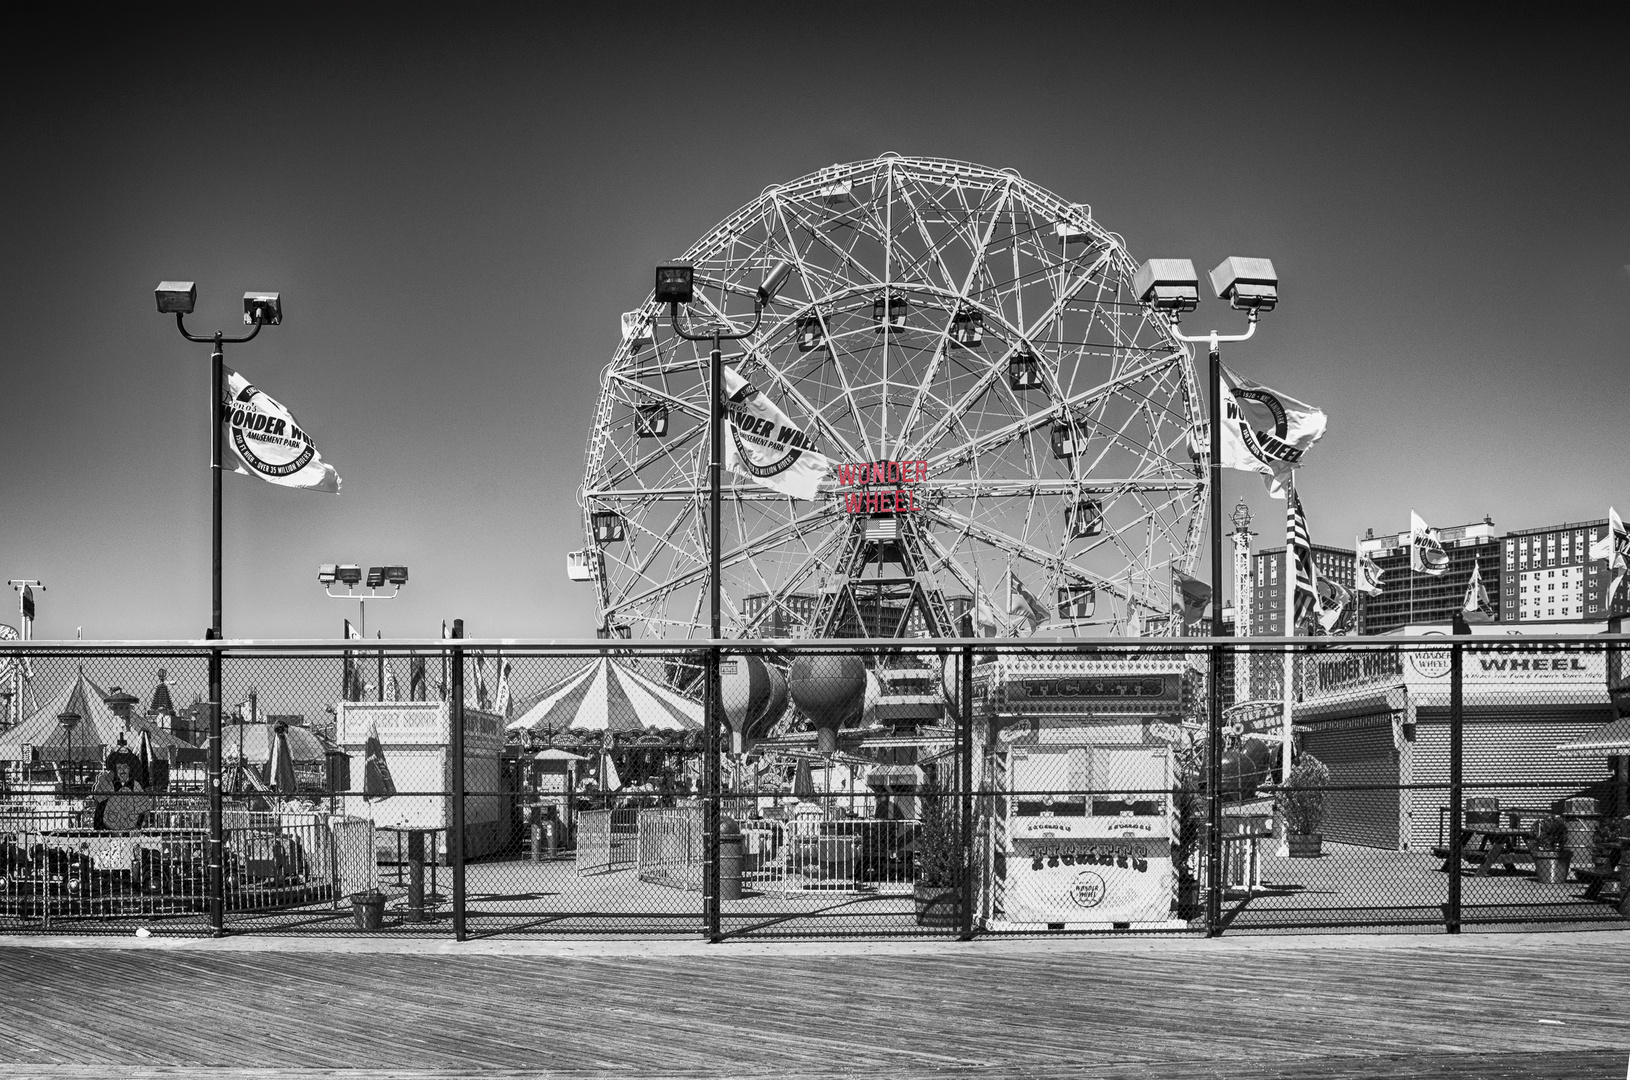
(1024, 549)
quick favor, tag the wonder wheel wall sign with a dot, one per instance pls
(1012, 436)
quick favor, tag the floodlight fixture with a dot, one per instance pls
(262, 309)
(326, 574)
(1247, 284)
(348, 573)
(396, 575)
(773, 281)
(1168, 285)
(675, 283)
(176, 297)
(376, 577)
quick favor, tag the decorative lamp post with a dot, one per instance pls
(1171, 286)
(178, 298)
(675, 285)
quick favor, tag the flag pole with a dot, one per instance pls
(1287, 691)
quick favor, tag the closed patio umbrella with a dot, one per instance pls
(280, 766)
(803, 782)
(376, 774)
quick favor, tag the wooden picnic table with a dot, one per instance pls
(1487, 845)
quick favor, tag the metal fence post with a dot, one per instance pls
(969, 839)
(1456, 807)
(217, 847)
(455, 834)
(1214, 726)
(711, 798)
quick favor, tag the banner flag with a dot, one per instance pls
(985, 617)
(1614, 546)
(1026, 606)
(765, 447)
(501, 706)
(1477, 597)
(1368, 578)
(269, 442)
(1265, 431)
(1336, 608)
(1426, 555)
(1307, 574)
(1190, 596)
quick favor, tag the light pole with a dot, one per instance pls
(675, 285)
(259, 309)
(1171, 286)
(349, 575)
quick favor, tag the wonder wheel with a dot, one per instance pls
(969, 328)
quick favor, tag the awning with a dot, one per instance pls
(1609, 740)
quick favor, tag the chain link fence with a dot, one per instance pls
(923, 788)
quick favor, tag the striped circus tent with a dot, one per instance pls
(608, 696)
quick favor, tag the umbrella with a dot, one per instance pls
(608, 696)
(154, 771)
(376, 775)
(280, 766)
(803, 782)
(1609, 740)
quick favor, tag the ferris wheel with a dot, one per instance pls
(1016, 441)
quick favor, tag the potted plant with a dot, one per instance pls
(941, 859)
(1550, 857)
(1189, 809)
(1300, 802)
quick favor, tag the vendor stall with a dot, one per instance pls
(1078, 756)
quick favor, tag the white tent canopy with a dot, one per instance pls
(609, 696)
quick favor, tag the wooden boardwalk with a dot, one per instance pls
(1479, 1006)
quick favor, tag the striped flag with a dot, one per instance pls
(1307, 575)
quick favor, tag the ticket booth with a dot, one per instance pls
(1077, 755)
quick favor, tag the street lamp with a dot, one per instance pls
(178, 298)
(1171, 286)
(676, 285)
(349, 575)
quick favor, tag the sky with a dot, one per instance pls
(456, 206)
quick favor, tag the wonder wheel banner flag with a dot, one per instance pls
(1266, 431)
(1426, 554)
(765, 446)
(269, 442)
(1307, 574)
(1368, 576)
(1336, 609)
(1614, 546)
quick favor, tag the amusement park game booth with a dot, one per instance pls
(1076, 756)
(1381, 717)
(416, 738)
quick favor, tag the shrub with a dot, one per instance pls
(1301, 797)
(1549, 832)
(940, 851)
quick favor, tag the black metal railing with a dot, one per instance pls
(918, 787)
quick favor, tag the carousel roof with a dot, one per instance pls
(608, 696)
(96, 733)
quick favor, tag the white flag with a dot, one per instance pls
(1477, 597)
(1025, 605)
(269, 442)
(1615, 548)
(1265, 431)
(1426, 555)
(1368, 578)
(765, 446)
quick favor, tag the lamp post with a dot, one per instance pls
(349, 575)
(259, 309)
(675, 285)
(1171, 286)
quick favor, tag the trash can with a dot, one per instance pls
(368, 908)
(1580, 816)
(730, 845)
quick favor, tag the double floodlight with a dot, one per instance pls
(326, 573)
(1172, 286)
(396, 575)
(676, 283)
(181, 297)
(348, 573)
